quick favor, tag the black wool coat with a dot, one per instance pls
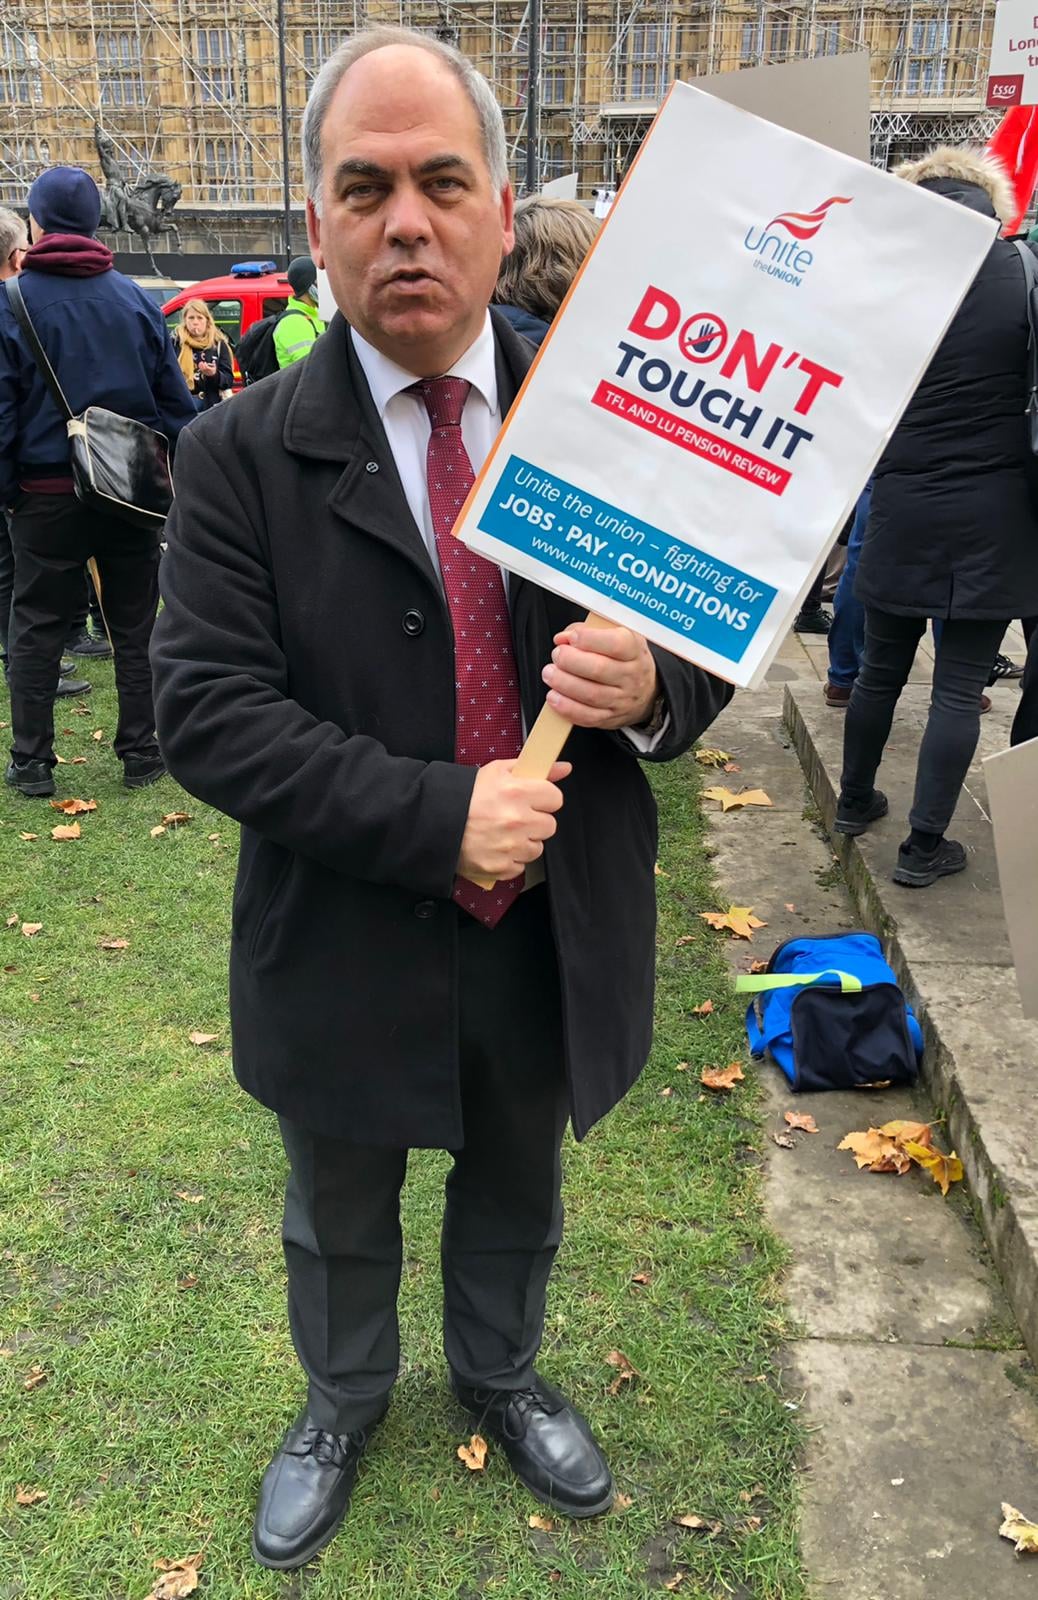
(305, 685)
(953, 525)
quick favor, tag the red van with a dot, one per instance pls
(251, 290)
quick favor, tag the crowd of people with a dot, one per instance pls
(336, 672)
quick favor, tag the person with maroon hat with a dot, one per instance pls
(109, 347)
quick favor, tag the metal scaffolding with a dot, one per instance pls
(190, 87)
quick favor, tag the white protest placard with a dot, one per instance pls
(827, 98)
(560, 188)
(1013, 73)
(725, 373)
(1012, 782)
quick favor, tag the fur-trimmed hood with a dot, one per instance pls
(965, 166)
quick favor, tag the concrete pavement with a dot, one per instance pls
(917, 1388)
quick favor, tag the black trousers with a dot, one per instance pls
(6, 582)
(502, 1218)
(53, 537)
(962, 666)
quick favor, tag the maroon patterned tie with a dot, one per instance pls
(488, 715)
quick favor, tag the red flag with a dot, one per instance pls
(1015, 143)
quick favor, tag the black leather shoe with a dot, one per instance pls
(549, 1446)
(88, 644)
(30, 778)
(76, 686)
(305, 1493)
(139, 771)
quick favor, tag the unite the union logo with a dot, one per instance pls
(780, 249)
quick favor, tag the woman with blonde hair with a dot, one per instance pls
(204, 355)
(552, 237)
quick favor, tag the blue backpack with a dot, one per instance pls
(832, 1015)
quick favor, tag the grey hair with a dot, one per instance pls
(491, 122)
(12, 232)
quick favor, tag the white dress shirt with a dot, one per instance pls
(406, 421)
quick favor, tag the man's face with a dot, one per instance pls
(411, 231)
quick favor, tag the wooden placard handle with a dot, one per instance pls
(545, 741)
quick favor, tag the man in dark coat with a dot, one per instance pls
(108, 346)
(952, 533)
(326, 675)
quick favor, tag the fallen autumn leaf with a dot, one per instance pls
(69, 830)
(698, 1524)
(31, 929)
(29, 1497)
(203, 1038)
(175, 819)
(704, 1010)
(876, 1151)
(28, 836)
(739, 920)
(34, 1377)
(73, 806)
(1017, 1527)
(802, 1120)
(544, 1524)
(115, 944)
(474, 1454)
(722, 1078)
(625, 1371)
(944, 1170)
(712, 758)
(745, 797)
(179, 1578)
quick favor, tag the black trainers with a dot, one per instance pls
(305, 1493)
(1005, 668)
(917, 869)
(139, 771)
(30, 778)
(88, 644)
(854, 816)
(814, 621)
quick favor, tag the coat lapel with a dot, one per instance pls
(332, 417)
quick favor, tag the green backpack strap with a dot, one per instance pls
(759, 982)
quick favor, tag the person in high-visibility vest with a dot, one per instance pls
(299, 324)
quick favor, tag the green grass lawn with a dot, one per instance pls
(140, 1265)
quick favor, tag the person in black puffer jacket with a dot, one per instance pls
(952, 534)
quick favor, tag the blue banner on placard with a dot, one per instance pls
(660, 577)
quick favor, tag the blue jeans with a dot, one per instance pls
(847, 633)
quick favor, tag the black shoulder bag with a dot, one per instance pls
(118, 465)
(1031, 281)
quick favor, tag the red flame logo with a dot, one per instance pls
(805, 224)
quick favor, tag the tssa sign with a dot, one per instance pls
(1013, 75)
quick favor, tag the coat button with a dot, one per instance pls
(425, 908)
(371, 466)
(413, 623)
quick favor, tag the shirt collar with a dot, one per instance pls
(478, 366)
